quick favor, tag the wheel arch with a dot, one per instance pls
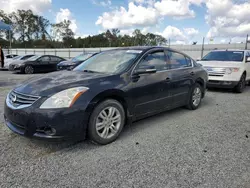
(202, 84)
(115, 94)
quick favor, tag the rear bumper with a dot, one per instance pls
(221, 84)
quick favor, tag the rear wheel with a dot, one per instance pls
(106, 122)
(241, 85)
(28, 69)
(195, 97)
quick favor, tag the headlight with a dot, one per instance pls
(64, 99)
(230, 70)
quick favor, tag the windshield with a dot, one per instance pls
(113, 61)
(17, 57)
(33, 58)
(81, 57)
(224, 56)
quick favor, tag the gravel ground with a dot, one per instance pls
(209, 147)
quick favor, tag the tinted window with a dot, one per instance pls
(156, 59)
(45, 58)
(177, 60)
(26, 57)
(224, 56)
(53, 58)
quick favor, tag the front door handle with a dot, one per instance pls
(192, 73)
(168, 79)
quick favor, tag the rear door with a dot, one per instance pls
(54, 60)
(182, 77)
(150, 91)
(43, 64)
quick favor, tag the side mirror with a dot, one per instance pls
(200, 64)
(145, 70)
(248, 59)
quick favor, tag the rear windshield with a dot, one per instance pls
(224, 56)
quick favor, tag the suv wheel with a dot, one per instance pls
(106, 122)
(195, 97)
(241, 85)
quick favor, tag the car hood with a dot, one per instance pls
(220, 63)
(52, 83)
(15, 62)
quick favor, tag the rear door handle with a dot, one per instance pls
(192, 73)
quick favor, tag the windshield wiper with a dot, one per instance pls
(89, 71)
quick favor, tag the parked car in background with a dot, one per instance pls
(37, 63)
(16, 58)
(10, 56)
(99, 96)
(228, 68)
(72, 63)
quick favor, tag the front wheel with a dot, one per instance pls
(106, 122)
(241, 85)
(29, 69)
(195, 97)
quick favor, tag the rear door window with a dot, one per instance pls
(45, 59)
(177, 60)
(156, 59)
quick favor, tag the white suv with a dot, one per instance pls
(227, 68)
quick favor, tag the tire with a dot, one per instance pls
(109, 128)
(28, 69)
(196, 95)
(241, 85)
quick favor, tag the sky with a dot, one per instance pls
(181, 21)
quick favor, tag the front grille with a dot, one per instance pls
(18, 99)
(215, 71)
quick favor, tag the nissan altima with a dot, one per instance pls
(101, 95)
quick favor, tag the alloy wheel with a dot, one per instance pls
(108, 122)
(196, 96)
(29, 70)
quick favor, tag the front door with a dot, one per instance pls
(182, 77)
(150, 91)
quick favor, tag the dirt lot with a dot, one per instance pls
(209, 147)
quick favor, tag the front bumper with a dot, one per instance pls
(15, 68)
(39, 123)
(221, 84)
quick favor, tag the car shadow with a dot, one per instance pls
(221, 90)
(50, 147)
(165, 116)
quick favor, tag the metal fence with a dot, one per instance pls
(195, 51)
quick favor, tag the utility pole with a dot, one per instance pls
(169, 42)
(246, 43)
(202, 48)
